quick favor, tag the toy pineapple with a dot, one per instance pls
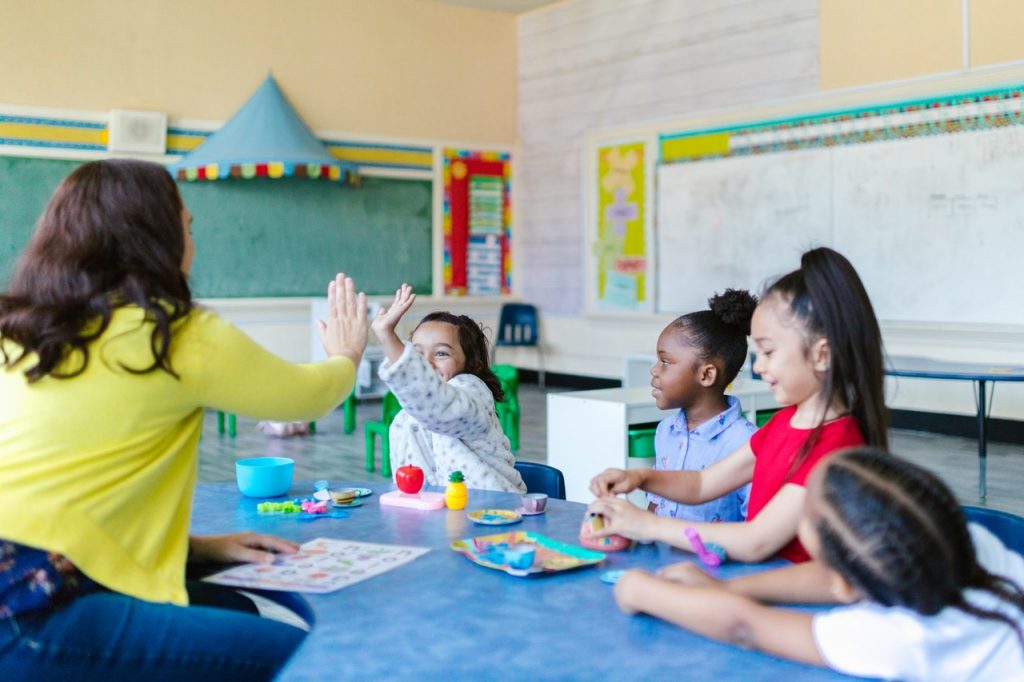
(456, 494)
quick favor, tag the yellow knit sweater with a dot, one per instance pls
(100, 468)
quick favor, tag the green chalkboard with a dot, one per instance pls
(25, 187)
(263, 237)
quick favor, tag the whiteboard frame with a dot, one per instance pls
(873, 95)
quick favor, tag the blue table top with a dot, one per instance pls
(442, 615)
(929, 368)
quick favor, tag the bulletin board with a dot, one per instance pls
(477, 223)
(620, 265)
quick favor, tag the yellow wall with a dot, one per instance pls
(395, 67)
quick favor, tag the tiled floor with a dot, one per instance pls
(332, 454)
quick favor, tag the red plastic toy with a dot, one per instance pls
(409, 479)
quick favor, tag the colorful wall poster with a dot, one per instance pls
(477, 223)
(620, 247)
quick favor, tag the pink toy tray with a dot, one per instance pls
(421, 500)
(551, 556)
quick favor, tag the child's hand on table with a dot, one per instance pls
(630, 588)
(251, 548)
(622, 518)
(689, 574)
(615, 481)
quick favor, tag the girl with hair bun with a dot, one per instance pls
(699, 355)
(819, 348)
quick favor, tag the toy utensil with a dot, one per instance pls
(706, 556)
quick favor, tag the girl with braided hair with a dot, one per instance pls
(926, 595)
(819, 349)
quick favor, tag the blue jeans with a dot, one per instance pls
(110, 636)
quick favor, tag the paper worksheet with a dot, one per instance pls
(321, 565)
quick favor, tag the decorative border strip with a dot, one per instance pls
(973, 111)
(33, 131)
(55, 133)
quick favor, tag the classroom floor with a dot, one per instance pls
(332, 454)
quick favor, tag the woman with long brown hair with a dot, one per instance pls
(106, 367)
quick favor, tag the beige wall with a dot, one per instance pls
(410, 68)
(996, 31)
(871, 41)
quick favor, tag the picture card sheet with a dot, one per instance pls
(321, 565)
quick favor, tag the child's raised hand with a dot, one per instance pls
(344, 332)
(614, 481)
(621, 517)
(688, 573)
(387, 318)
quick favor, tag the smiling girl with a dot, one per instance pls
(447, 391)
(819, 348)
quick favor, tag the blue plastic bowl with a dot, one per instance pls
(264, 476)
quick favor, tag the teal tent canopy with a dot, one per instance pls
(265, 138)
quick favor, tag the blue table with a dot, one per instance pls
(980, 374)
(442, 616)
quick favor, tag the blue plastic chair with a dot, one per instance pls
(518, 326)
(1006, 526)
(541, 478)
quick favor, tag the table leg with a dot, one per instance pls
(982, 441)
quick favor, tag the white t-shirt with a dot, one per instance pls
(871, 640)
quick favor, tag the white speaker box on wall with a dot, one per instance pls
(142, 132)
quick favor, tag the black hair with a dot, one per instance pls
(474, 347)
(828, 299)
(897, 533)
(111, 236)
(721, 332)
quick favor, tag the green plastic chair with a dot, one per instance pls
(508, 409)
(348, 410)
(389, 408)
(232, 422)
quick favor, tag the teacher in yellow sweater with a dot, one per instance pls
(106, 367)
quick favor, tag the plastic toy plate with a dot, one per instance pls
(551, 556)
(362, 492)
(494, 517)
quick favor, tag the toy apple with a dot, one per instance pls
(409, 479)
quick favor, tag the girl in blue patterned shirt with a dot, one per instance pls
(699, 355)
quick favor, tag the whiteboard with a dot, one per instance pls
(934, 225)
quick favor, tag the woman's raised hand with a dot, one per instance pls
(387, 318)
(344, 332)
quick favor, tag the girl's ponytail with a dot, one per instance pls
(829, 299)
(856, 376)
